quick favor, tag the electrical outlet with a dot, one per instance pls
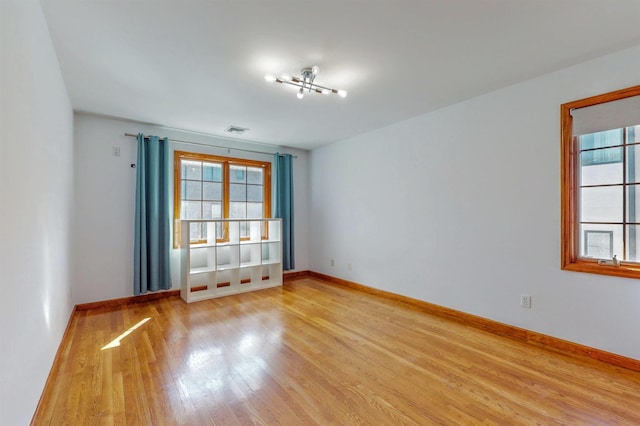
(525, 301)
(116, 151)
(333, 262)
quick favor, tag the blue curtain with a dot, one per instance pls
(152, 238)
(283, 205)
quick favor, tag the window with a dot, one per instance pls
(211, 187)
(600, 159)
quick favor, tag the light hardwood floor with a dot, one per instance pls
(316, 353)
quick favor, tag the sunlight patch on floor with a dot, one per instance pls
(116, 342)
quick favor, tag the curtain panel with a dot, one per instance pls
(152, 216)
(283, 205)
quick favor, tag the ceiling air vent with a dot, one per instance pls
(236, 130)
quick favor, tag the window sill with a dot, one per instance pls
(625, 269)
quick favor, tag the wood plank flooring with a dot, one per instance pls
(316, 353)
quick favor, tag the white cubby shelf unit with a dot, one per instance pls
(239, 255)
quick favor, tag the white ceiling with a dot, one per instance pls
(199, 65)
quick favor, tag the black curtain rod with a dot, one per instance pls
(213, 146)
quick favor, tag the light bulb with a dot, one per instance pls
(326, 91)
(315, 70)
(300, 94)
(285, 77)
(342, 93)
(270, 78)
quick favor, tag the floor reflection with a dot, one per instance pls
(211, 373)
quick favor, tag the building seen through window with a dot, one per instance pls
(609, 201)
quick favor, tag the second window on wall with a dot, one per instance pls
(213, 187)
(600, 139)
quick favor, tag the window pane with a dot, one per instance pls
(601, 241)
(601, 156)
(237, 192)
(255, 175)
(254, 210)
(633, 204)
(633, 164)
(216, 210)
(212, 172)
(191, 210)
(195, 232)
(211, 210)
(237, 210)
(191, 190)
(221, 231)
(633, 243)
(601, 172)
(244, 229)
(203, 234)
(601, 204)
(601, 139)
(237, 174)
(633, 134)
(191, 170)
(212, 191)
(255, 192)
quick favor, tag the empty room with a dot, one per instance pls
(332, 212)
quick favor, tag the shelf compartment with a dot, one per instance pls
(232, 232)
(212, 233)
(255, 232)
(202, 270)
(271, 229)
(247, 277)
(225, 280)
(270, 252)
(227, 257)
(271, 275)
(202, 280)
(202, 258)
(250, 255)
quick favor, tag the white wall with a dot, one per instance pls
(105, 202)
(461, 207)
(36, 174)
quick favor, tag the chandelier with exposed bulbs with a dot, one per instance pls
(305, 82)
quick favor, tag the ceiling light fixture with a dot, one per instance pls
(305, 82)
